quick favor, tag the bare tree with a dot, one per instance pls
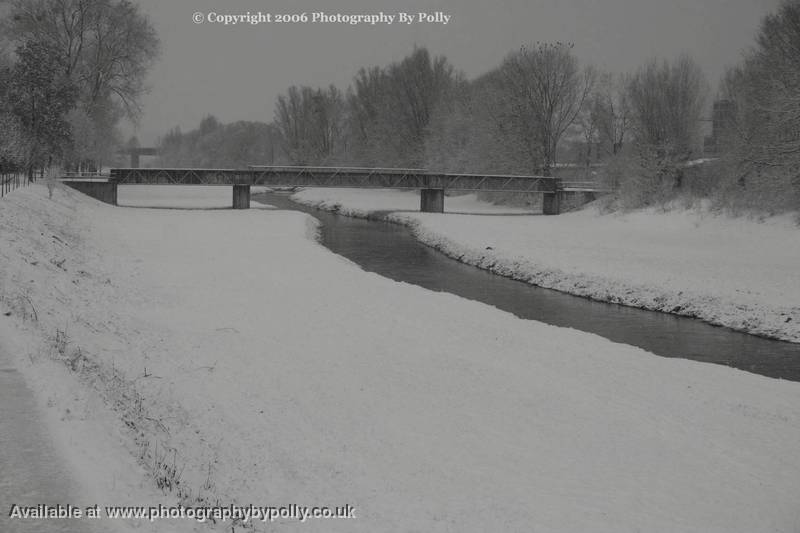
(105, 49)
(773, 78)
(390, 109)
(463, 136)
(547, 90)
(311, 124)
(667, 100)
(107, 45)
(214, 144)
(761, 103)
(611, 112)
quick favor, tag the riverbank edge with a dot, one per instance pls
(770, 323)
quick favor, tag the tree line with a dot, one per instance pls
(535, 111)
(70, 71)
(760, 115)
(643, 134)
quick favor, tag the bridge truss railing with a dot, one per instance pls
(344, 177)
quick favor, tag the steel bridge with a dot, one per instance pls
(431, 184)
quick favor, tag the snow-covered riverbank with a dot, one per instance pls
(55, 313)
(730, 272)
(270, 371)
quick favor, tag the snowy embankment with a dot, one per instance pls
(56, 312)
(730, 272)
(254, 366)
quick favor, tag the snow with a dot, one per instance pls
(275, 372)
(365, 202)
(178, 196)
(732, 272)
(95, 457)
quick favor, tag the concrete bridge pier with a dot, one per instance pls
(241, 197)
(551, 203)
(431, 200)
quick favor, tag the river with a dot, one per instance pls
(392, 251)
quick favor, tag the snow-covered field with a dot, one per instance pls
(178, 196)
(270, 371)
(731, 272)
(363, 202)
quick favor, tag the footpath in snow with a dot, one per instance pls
(730, 272)
(244, 363)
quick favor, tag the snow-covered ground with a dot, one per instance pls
(270, 371)
(731, 272)
(47, 313)
(178, 196)
(364, 202)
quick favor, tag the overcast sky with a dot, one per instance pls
(235, 72)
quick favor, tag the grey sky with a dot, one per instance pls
(236, 72)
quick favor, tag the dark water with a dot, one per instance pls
(391, 251)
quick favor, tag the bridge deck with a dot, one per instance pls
(344, 177)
